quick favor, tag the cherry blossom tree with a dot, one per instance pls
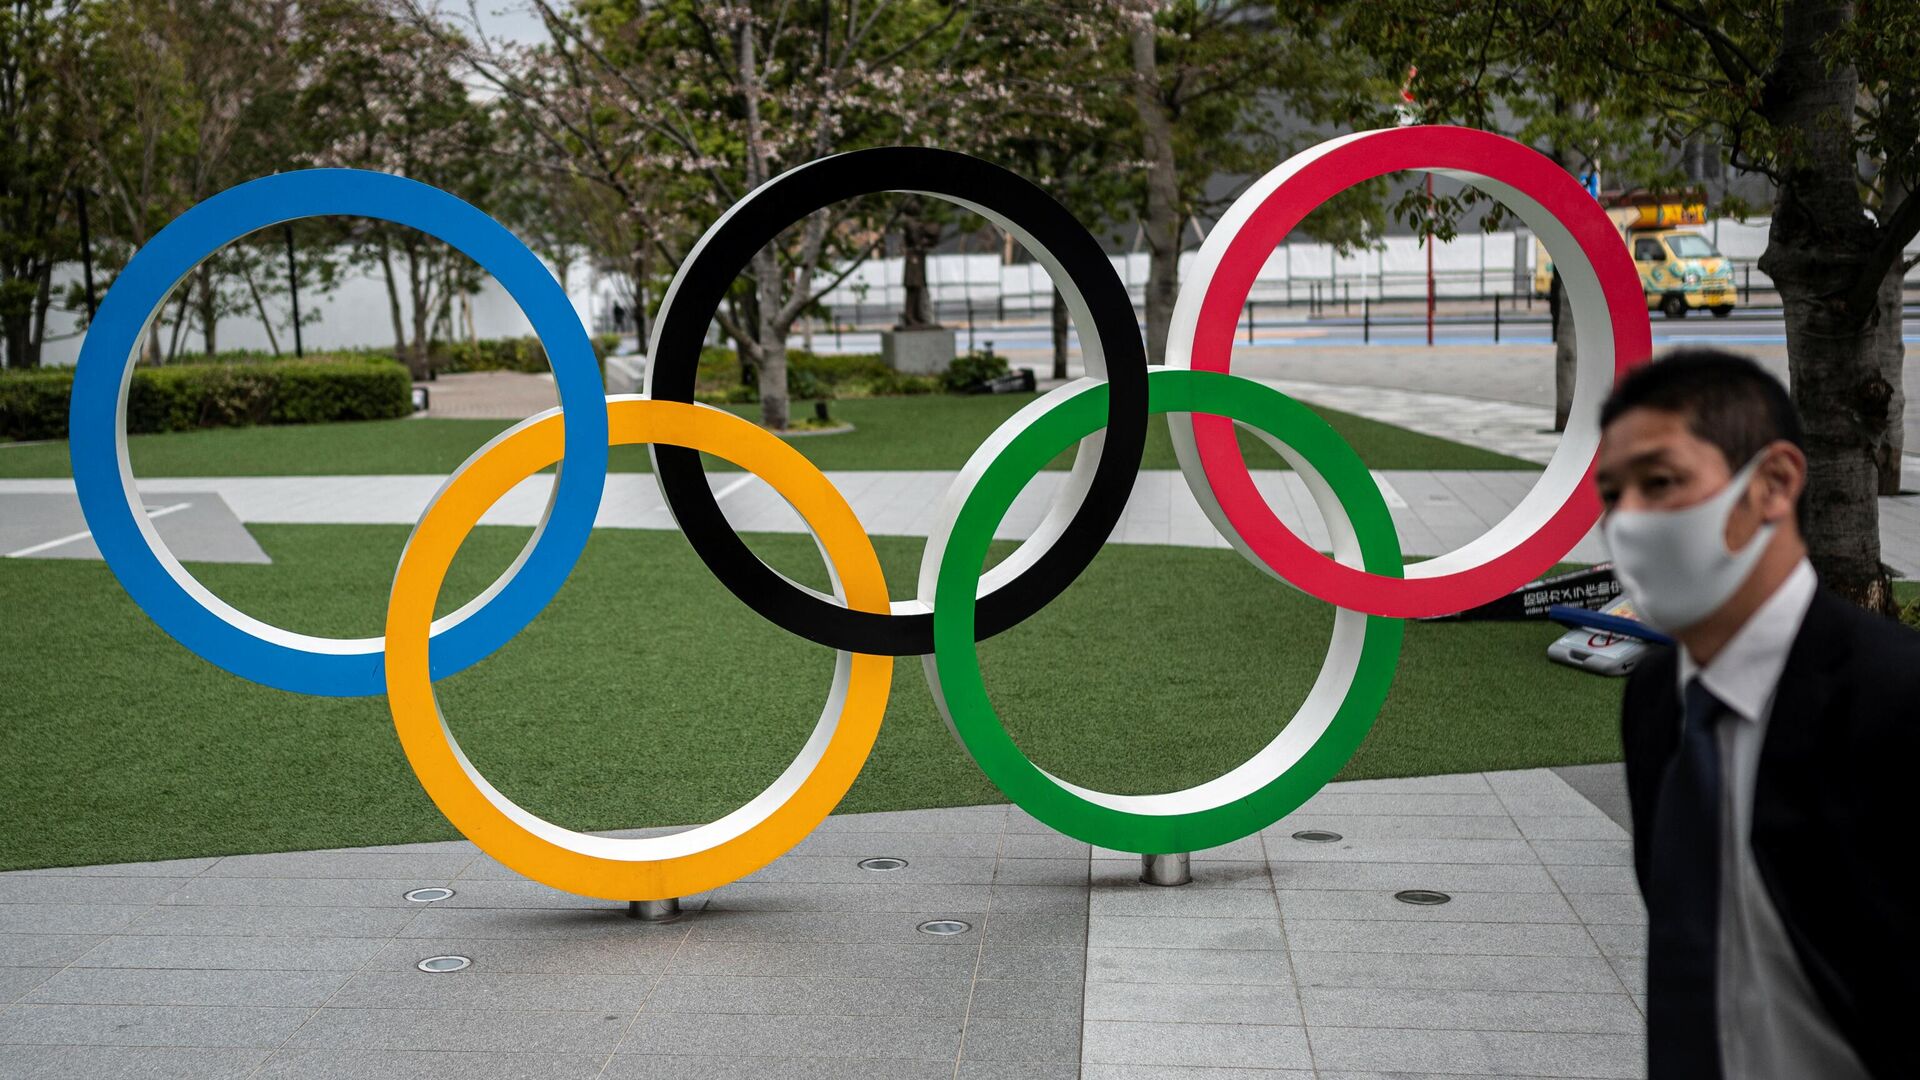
(1213, 81)
(682, 108)
(383, 95)
(170, 103)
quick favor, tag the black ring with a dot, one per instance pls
(709, 271)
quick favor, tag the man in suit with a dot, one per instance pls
(1771, 755)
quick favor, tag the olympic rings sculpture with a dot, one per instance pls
(1105, 415)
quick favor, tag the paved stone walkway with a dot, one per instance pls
(1433, 511)
(196, 525)
(1284, 958)
(489, 395)
(1513, 373)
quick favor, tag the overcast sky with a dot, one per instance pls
(514, 20)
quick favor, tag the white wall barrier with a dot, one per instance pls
(1471, 265)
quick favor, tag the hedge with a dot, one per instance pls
(182, 397)
(506, 354)
(810, 376)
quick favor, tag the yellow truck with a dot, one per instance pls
(1679, 269)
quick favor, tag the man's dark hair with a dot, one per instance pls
(1726, 399)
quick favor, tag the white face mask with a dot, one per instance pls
(1674, 564)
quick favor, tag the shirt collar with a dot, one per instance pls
(1745, 672)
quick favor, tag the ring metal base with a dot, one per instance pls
(654, 910)
(1173, 869)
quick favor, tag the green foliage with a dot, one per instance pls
(1911, 613)
(719, 368)
(810, 377)
(524, 354)
(185, 397)
(263, 356)
(809, 384)
(968, 372)
(1236, 78)
(1623, 84)
(33, 404)
(37, 167)
(499, 354)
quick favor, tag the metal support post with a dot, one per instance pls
(1366, 319)
(1496, 318)
(654, 910)
(1171, 869)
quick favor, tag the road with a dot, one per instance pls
(1401, 328)
(1464, 360)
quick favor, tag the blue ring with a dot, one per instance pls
(104, 480)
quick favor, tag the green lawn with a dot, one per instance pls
(931, 432)
(646, 694)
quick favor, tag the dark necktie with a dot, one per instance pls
(1683, 903)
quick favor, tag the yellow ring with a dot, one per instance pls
(651, 868)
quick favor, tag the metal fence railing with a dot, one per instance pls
(1500, 314)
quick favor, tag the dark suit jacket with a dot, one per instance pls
(1835, 830)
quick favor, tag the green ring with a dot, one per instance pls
(954, 669)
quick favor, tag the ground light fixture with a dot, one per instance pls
(429, 895)
(944, 927)
(883, 863)
(1317, 836)
(438, 964)
(1423, 897)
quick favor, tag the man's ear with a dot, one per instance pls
(1783, 475)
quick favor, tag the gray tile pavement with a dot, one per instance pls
(1161, 509)
(1283, 959)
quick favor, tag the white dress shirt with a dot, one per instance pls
(1772, 1024)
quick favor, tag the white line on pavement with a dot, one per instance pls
(733, 487)
(1394, 499)
(84, 533)
(718, 496)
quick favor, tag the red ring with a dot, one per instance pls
(1352, 162)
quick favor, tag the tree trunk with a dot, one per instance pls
(44, 299)
(260, 308)
(1565, 354)
(1889, 353)
(770, 339)
(16, 328)
(1566, 350)
(419, 291)
(640, 330)
(179, 322)
(1059, 335)
(1817, 247)
(1890, 346)
(209, 310)
(1162, 224)
(393, 306)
